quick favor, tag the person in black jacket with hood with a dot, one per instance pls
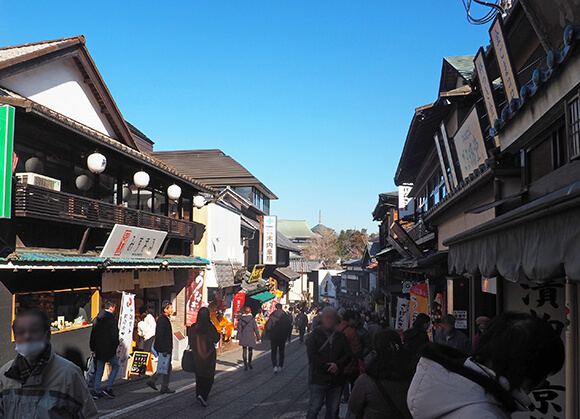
(164, 346)
(103, 343)
(328, 353)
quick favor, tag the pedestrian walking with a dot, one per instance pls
(351, 371)
(315, 322)
(38, 382)
(381, 393)
(328, 354)
(364, 337)
(202, 337)
(164, 347)
(416, 336)
(248, 334)
(481, 323)
(146, 331)
(515, 355)
(450, 336)
(301, 324)
(103, 343)
(278, 327)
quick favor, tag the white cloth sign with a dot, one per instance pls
(126, 325)
(402, 319)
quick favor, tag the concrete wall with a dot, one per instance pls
(224, 235)
(59, 86)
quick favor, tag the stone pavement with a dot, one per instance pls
(235, 394)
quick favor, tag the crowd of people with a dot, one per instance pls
(353, 359)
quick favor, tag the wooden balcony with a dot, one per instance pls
(36, 202)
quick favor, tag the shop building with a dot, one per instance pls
(77, 175)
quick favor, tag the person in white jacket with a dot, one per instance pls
(146, 330)
(514, 356)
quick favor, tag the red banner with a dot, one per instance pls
(194, 295)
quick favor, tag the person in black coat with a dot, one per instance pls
(103, 343)
(328, 353)
(248, 334)
(164, 346)
(278, 328)
(416, 337)
(301, 324)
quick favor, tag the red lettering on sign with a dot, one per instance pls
(123, 242)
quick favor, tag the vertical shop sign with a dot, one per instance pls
(126, 325)
(194, 295)
(270, 232)
(547, 301)
(469, 144)
(6, 159)
(508, 75)
(486, 89)
(419, 301)
(402, 318)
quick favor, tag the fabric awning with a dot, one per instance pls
(540, 239)
(263, 297)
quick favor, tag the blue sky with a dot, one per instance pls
(313, 97)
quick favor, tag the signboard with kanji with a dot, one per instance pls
(129, 242)
(194, 295)
(546, 300)
(270, 233)
(469, 144)
(141, 363)
(508, 75)
(257, 273)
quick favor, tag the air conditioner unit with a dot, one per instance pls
(39, 180)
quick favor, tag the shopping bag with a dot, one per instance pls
(91, 371)
(187, 361)
(163, 364)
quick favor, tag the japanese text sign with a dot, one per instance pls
(126, 325)
(194, 295)
(129, 242)
(486, 87)
(469, 144)
(508, 76)
(270, 233)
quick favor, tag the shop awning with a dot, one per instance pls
(263, 297)
(53, 260)
(540, 239)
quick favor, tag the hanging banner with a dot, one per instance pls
(270, 236)
(419, 301)
(239, 301)
(126, 325)
(194, 295)
(402, 318)
(469, 144)
(486, 89)
(508, 75)
(7, 159)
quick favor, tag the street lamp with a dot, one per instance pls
(97, 163)
(199, 201)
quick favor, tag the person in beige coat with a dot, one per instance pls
(39, 383)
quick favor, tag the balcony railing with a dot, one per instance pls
(418, 231)
(37, 202)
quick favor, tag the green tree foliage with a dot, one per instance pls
(351, 243)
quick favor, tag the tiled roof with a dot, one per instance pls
(287, 273)
(306, 265)
(214, 168)
(17, 51)
(40, 259)
(295, 229)
(229, 274)
(9, 97)
(463, 64)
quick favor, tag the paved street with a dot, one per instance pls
(236, 393)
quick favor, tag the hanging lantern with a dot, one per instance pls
(83, 183)
(141, 179)
(199, 201)
(153, 203)
(127, 193)
(34, 165)
(174, 192)
(97, 163)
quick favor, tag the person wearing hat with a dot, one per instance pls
(450, 336)
(481, 323)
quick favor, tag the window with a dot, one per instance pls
(548, 155)
(67, 309)
(574, 127)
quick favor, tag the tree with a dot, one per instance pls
(324, 246)
(352, 243)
